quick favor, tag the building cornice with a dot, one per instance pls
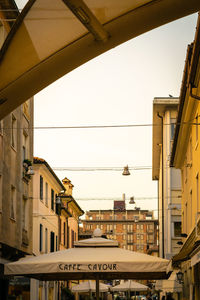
(41, 161)
(187, 103)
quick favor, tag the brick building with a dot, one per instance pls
(135, 229)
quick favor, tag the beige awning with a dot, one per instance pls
(89, 286)
(171, 285)
(130, 285)
(51, 38)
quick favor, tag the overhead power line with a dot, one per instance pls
(107, 126)
(99, 168)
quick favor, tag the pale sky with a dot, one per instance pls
(117, 87)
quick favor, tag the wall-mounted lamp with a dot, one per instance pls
(132, 201)
(179, 277)
(30, 171)
(126, 171)
(58, 200)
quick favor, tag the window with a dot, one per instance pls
(25, 144)
(138, 226)
(129, 237)
(109, 227)
(173, 124)
(46, 240)
(124, 226)
(141, 226)
(177, 229)
(52, 241)
(124, 237)
(56, 243)
(138, 236)
(52, 199)
(41, 187)
(14, 132)
(64, 233)
(130, 227)
(13, 203)
(41, 237)
(24, 213)
(72, 238)
(46, 193)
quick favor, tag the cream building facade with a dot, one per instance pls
(169, 179)
(16, 154)
(46, 220)
(69, 217)
(186, 157)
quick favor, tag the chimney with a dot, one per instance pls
(68, 185)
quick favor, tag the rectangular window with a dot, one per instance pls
(72, 238)
(52, 241)
(173, 124)
(14, 132)
(13, 203)
(24, 214)
(64, 233)
(138, 236)
(41, 237)
(124, 226)
(46, 240)
(186, 218)
(52, 199)
(130, 227)
(56, 243)
(25, 145)
(109, 227)
(46, 194)
(41, 187)
(177, 229)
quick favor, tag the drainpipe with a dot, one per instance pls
(163, 242)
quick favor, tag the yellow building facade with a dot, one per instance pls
(186, 157)
(69, 216)
(46, 219)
